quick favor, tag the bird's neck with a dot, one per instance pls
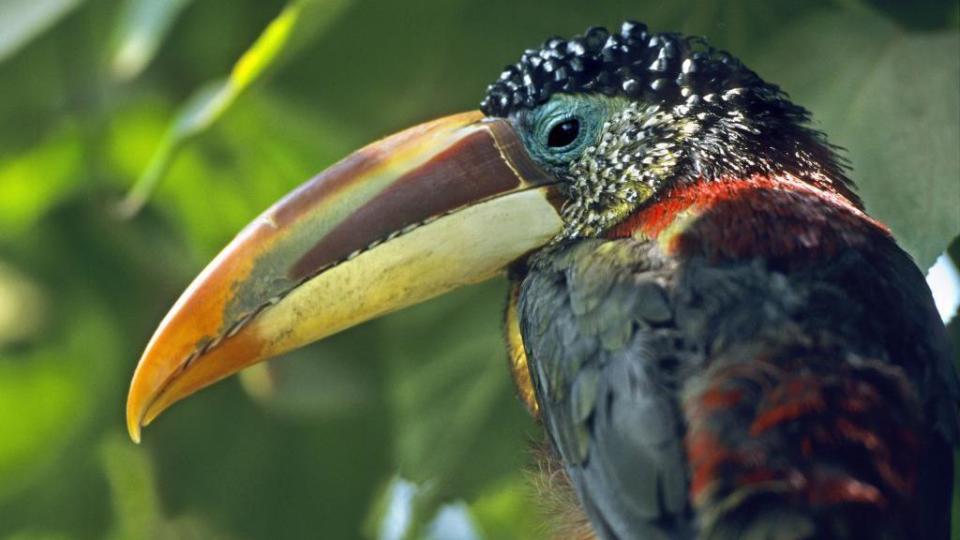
(760, 216)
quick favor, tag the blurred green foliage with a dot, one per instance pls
(138, 136)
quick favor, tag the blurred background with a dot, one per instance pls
(138, 136)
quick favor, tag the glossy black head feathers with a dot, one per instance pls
(635, 63)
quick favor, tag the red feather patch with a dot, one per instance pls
(759, 216)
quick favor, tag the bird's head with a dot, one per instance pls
(569, 143)
(620, 119)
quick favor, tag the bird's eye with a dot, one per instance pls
(564, 133)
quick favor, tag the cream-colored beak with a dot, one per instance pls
(407, 218)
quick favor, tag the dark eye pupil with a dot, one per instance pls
(563, 133)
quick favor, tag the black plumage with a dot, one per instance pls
(634, 63)
(624, 342)
(722, 344)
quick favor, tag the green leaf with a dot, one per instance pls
(136, 505)
(45, 397)
(212, 100)
(23, 20)
(142, 27)
(33, 182)
(137, 509)
(892, 98)
(24, 308)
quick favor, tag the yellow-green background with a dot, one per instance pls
(98, 96)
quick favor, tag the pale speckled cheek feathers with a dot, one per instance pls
(637, 149)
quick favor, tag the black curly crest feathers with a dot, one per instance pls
(635, 63)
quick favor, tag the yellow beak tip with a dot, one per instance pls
(134, 422)
(134, 430)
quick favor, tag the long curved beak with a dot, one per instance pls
(412, 216)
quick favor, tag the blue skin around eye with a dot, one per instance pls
(534, 127)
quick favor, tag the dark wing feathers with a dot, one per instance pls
(639, 362)
(598, 322)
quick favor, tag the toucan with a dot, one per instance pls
(717, 339)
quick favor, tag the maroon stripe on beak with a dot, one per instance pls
(483, 163)
(447, 203)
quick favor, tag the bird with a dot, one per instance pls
(717, 339)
